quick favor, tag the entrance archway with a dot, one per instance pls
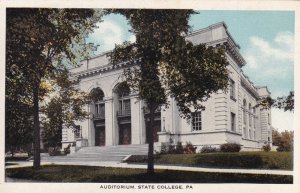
(96, 96)
(122, 92)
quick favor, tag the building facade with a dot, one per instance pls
(118, 117)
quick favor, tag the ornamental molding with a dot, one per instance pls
(107, 99)
(101, 69)
(250, 88)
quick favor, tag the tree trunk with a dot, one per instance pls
(150, 168)
(36, 126)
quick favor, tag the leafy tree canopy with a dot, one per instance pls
(170, 65)
(66, 101)
(284, 140)
(286, 102)
(64, 109)
(39, 43)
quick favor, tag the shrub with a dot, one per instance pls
(230, 147)
(172, 149)
(53, 151)
(163, 148)
(67, 149)
(189, 148)
(283, 140)
(287, 147)
(179, 148)
(208, 149)
(266, 147)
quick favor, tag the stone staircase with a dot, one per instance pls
(106, 153)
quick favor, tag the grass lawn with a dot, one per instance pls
(57, 173)
(250, 160)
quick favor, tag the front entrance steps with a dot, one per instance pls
(104, 153)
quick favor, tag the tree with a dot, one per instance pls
(286, 102)
(169, 66)
(65, 107)
(52, 126)
(18, 124)
(284, 140)
(38, 43)
(276, 137)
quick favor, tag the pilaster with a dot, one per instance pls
(108, 121)
(221, 111)
(91, 126)
(136, 113)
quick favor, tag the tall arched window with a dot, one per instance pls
(122, 99)
(244, 112)
(123, 92)
(250, 114)
(97, 95)
(254, 117)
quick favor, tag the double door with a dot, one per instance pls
(125, 134)
(100, 136)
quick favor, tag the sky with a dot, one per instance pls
(266, 39)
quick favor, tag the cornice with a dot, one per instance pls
(231, 46)
(101, 69)
(249, 88)
(234, 52)
(231, 49)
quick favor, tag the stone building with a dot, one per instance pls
(117, 117)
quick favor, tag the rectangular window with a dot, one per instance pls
(232, 89)
(124, 107)
(100, 110)
(232, 122)
(196, 121)
(127, 107)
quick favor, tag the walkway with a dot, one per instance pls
(169, 167)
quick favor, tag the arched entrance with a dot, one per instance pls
(124, 113)
(96, 96)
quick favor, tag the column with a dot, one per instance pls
(142, 124)
(109, 130)
(135, 119)
(91, 127)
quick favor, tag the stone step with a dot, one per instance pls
(104, 153)
(113, 149)
(84, 159)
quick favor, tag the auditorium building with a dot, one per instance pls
(118, 117)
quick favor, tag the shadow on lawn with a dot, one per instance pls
(123, 175)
